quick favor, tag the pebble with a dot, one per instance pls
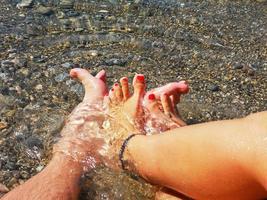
(93, 53)
(72, 13)
(67, 65)
(39, 87)
(45, 10)
(24, 174)
(20, 62)
(115, 61)
(12, 50)
(34, 141)
(66, 4)
(10, 165)
(39, 168)
(78, 89)
(16, 174)
(103, 11)
(61, 77)
(12, 181)
(25, 4)
(3, 125)
(214, 88)
(3, 188)
(7, 63)
(237, 66)
(79, 29)
(38, 59)
(12, 55)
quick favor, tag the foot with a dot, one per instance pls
(128, 108)
(95, 87)
(171, 93)
(82, 134)
(161, 106)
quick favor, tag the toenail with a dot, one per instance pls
(125, 79)
(116, 84)
(112, 89)
(151, 97)
(140, 78)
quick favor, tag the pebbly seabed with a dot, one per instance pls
(218, 46)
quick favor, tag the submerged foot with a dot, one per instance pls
(128, 108)
(161, 103)
(81, 137)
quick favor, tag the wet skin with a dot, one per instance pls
(230, 155)
(159, 106)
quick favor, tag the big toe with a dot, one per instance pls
(102, 76)
(139, 85)
(89, 82)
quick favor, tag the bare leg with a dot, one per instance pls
(60, 179)
(215, 160)
(160, 106)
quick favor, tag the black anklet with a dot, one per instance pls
(122, 149)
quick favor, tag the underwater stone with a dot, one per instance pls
(67, 65)
(25, 4)
(45, 10)
(115, 61)
(34, 141)
(66, 4)
(214, 88)
(61, 77)
(7, 63)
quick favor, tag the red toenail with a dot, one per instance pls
(116, 84)
(125, 79)
(141, 78)
(151, 97)
(73, 74)
(112, 89)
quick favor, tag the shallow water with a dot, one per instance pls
(218, 46)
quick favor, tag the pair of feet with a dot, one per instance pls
(151, 112)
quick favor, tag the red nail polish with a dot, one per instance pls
(116, 84)
(125, 79)
(112, 89)
(151, 97)
(141, 78)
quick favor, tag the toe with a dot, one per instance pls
(172, 89)
(167, 105)
(139, 84)
(84, 77)
(151, 103)
(171, 110)
(178, 120)
(118, 92)
(112, 96)
(102, 76)
(125, 88)
(175, 99)
(182, 87)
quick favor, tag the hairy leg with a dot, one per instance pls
(76, 149)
